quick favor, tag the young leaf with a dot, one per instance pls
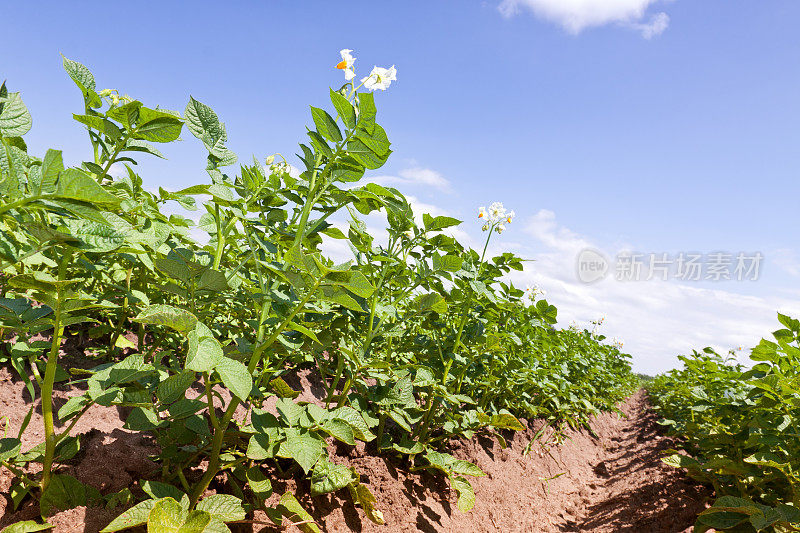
(84, 79)
(178, 319)
(174, 387)
(344, 108)
(259, 483)
(167, 516)
(64, 492)
(158, 490)
(326, 125)
(205, 352)
(466, 496)
(75, 184)
(235, 376)
(9, 448)
(340, 430)
(223, 506)
(282, 389)
(28, 526)
(15, 120)
(291, 508)
(328, 477)
(303, 447)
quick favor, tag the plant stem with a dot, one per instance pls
(220, 238)
(49, 379)
(219, 435)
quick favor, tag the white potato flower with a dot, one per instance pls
(380, 78)
(346, 64)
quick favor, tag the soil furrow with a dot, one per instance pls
(608, 480)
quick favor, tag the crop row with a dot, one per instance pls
(742, 431)
(417, 340)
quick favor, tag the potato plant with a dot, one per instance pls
(741, 427)
(417, 340)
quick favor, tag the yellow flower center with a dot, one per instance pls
(342, 65)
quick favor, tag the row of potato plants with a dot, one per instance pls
(741, 431)
(417, 340)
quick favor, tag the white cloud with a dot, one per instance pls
(787, 260)
(657, 319)
(417, 176)
(577, 15)
(658, 23)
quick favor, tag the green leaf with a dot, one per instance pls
(205, 352)
(506, 421)
(339, 429)
(328, 477)
(360, 428)
(176, 318)
(84, 79)
(75, 184)
(174, 387)
(259, 483)
(63, 493)
(28, 526)
(95, 237)
(291, 508)
(258, 448)
(195, 522)
(158, 491)
(344, 108)
(185, 408)
(466, 468)
(224, 506)
(235, 376)
(9, 448)
(367, 111)
(282, 389)
(101, 124)
(203, 122)
(466, 496)
(167, 516)
(448, 263)
(364, 154)
(326, 124)
(430, 302)
(15, 120)
(303, 447)
(439, 223)
(158, 126)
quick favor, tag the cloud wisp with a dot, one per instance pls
(415, 177)
(657, 319)
(577, 15)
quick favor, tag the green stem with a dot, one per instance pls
(335, 383)
(123, 315)
(220, 238)
(219, 436)
(117, 149)
(19, 473)
(210, 398)
(381, 427)
(49, 379)
(301, 229)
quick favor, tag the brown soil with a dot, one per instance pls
(608, 481)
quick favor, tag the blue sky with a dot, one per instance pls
(656, 126)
